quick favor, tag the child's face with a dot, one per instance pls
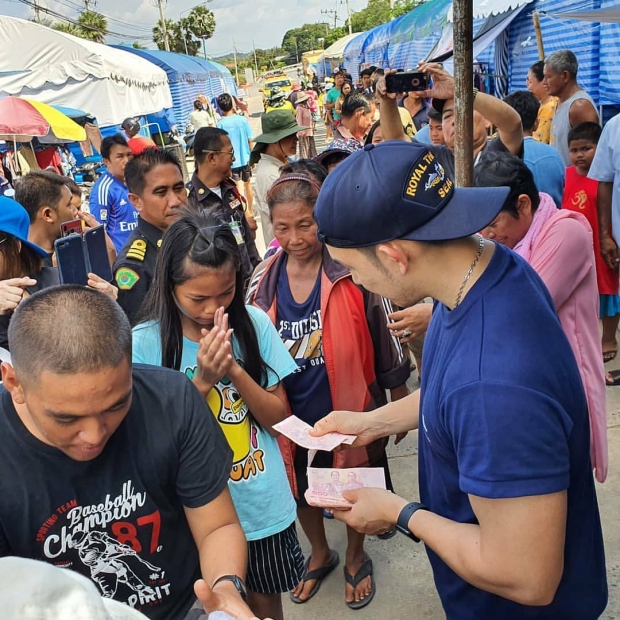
(581, 154)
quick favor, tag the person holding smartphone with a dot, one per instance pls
(22, 265)
(49, 203)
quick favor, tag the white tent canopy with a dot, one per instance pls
(336, 50)
(486, 8)
(60, 69)
(608, 15)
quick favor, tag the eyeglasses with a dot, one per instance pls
(231, 152)
(3, 237)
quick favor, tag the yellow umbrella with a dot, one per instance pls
(22, 119)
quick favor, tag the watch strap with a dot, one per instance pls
(402, 524)
(236, 581)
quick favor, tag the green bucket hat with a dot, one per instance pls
(277, 125)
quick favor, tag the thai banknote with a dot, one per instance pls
(299, 432)
(325, 486)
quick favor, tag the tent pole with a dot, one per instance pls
(17, 164)
(463, 92)
(539, 38)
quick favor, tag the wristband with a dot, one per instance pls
(236, 581)
(402, 524)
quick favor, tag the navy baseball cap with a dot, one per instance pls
(399, 190)
(14, 221)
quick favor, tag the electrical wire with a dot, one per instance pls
(74, 22)
(72, 5)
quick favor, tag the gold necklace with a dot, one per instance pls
(471, 270)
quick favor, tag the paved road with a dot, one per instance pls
(405, 588)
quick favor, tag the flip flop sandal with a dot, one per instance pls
(353, 580)
(609, 356)
(615, 378)
(319, 574)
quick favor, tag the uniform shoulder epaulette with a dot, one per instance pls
(137, 250)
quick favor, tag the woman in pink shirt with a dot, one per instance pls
(558, 245)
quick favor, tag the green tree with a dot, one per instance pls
(201, 22)
(94, 25)
(299, 40)
(90, 25)
(179, 37)
(73, 29)
(138, 46)
(335, 34)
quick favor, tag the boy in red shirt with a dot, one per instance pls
(580, 194)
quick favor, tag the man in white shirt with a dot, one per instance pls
(606, 170)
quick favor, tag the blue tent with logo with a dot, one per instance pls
(188, 77)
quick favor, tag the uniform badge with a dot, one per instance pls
(126, 278)
(103, 215)
(137, 250)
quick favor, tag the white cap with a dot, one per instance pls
(33, 590)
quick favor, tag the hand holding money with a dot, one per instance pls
(326, 487)
(299, 432)
(361, 425)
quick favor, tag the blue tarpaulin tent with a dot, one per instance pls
(506, 28)
(188, 77)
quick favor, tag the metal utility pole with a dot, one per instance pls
(349, 17)
(37, 12)
(463, 92)
(255, 61)
(87, 4)
(333, 13)
(160, 4)
(236, 68)
(204, 47)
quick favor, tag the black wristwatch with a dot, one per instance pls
(402, 525)
(236, 581)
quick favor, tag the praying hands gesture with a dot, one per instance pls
(215, 357)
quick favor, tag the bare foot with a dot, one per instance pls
(303, 588)
(364, 587)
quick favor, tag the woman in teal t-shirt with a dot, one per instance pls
(197, 295)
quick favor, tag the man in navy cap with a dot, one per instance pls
(509, 513)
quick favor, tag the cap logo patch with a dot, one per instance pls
(428, 183)
(417, 174)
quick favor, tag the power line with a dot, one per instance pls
(72, 5)
(74, 22)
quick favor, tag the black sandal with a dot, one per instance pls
(615, 378)
(353, 580)
(319, 574)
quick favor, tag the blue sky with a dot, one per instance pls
(261, 21)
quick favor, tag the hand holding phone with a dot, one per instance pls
(406, 82)
(77, 257)
(97, 253)
(71, 260)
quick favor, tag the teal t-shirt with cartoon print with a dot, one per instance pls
(258, 484)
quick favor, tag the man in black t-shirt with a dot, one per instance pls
(117, 473)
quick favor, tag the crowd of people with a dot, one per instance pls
(138, 415)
